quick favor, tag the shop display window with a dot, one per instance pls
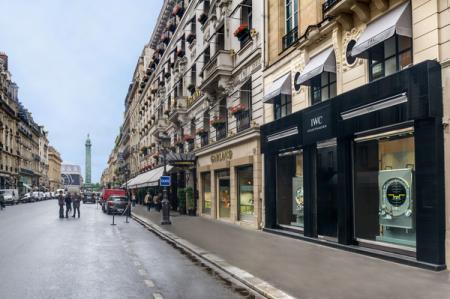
(290, 194)
(224, 199)
(384, 188)
(245, 191)
(206, 183)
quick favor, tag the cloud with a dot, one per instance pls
(73, 62)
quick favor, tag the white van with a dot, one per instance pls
(11, 196)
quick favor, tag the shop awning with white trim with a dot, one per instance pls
(397, 21)
(148, 179)
(325, 61)
(281, 86)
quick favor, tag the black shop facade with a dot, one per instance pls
(364, 170)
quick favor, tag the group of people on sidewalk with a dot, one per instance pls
(69, 201)
(151, 200)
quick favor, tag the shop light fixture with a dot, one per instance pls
(379, 105)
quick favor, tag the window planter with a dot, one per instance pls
(242, 31)
(180, 52)
(202, 18)
(218, 122)
(190, 37)
(178, 11)
(201, 132)
(238, 109)
(188, 138)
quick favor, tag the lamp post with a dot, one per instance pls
(165, 217)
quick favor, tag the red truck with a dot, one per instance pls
(107, 193)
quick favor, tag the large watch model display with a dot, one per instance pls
(298, 200)
(396, 206)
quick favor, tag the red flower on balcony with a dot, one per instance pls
(242, 31)
(238, 109)
(188, 138)
(201, 132)
(177, 10)
(217, 121)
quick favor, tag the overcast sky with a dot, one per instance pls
(73, 62)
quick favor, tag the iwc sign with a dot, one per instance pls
(317, 124)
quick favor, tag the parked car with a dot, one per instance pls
(116, 204)
(89, 197)
(48, 195)
(27, 197)
(10, 196)
(109, 192)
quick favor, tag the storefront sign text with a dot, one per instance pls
(222, 156)
(317, 124)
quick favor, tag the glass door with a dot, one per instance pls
(327, 179)
(224, 198)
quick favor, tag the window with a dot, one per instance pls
(291, 17)
(206, 190)
(282, 106)
(388, 57)
(384, 203)
(323, 87)
(289, 189)
(246, 18)
(243, 113)
(245, 192)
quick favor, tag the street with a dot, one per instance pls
(43, 256)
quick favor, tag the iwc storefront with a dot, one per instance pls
(363, 171)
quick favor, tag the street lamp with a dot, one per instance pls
(165, 142)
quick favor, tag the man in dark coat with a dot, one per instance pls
(76, 205)
(68, 204)
(61, 204)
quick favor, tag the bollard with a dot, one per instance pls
(113, 220)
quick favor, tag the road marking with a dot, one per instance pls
(149, 283)
(157, 296)
(142, 272)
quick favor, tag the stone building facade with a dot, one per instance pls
(335, 102)
(54, 169)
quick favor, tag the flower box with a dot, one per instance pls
(188, 138)
(201, 132)
(180, 52)
(202, 18)
(242, 31)
(177, 10)
(190, 37)
(218, 121)
(238, 109)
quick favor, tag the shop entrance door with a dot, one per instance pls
(224, 197)
(327, 180)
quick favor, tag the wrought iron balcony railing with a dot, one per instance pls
(290, 38)
(243, 120)
(328, 4)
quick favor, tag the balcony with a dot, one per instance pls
(290, 38)
(243, 120)
(217, 72)
(344, 9)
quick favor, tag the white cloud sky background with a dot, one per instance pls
(73, 62)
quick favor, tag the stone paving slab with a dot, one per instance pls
(304, 269)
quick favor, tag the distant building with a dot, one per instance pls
(71, 177)
(54, 169)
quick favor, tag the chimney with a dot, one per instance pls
(4, 57)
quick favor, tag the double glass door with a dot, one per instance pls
(327, 180)
(224, 197)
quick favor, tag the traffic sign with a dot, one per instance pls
(164, 181)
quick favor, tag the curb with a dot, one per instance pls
(255, 284)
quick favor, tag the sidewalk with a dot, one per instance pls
(303, 269)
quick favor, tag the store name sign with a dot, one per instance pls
(317, 124)
(222, 156)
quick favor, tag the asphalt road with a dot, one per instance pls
(42, 256)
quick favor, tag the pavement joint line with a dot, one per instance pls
(149, 283)
(157, 296)
(262, 288)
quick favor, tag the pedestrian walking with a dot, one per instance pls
(76, 205)
(68, 201)
(157, 201)
(61, 204)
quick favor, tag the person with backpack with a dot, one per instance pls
(68, 201)
(61, 204)
(76, 205)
